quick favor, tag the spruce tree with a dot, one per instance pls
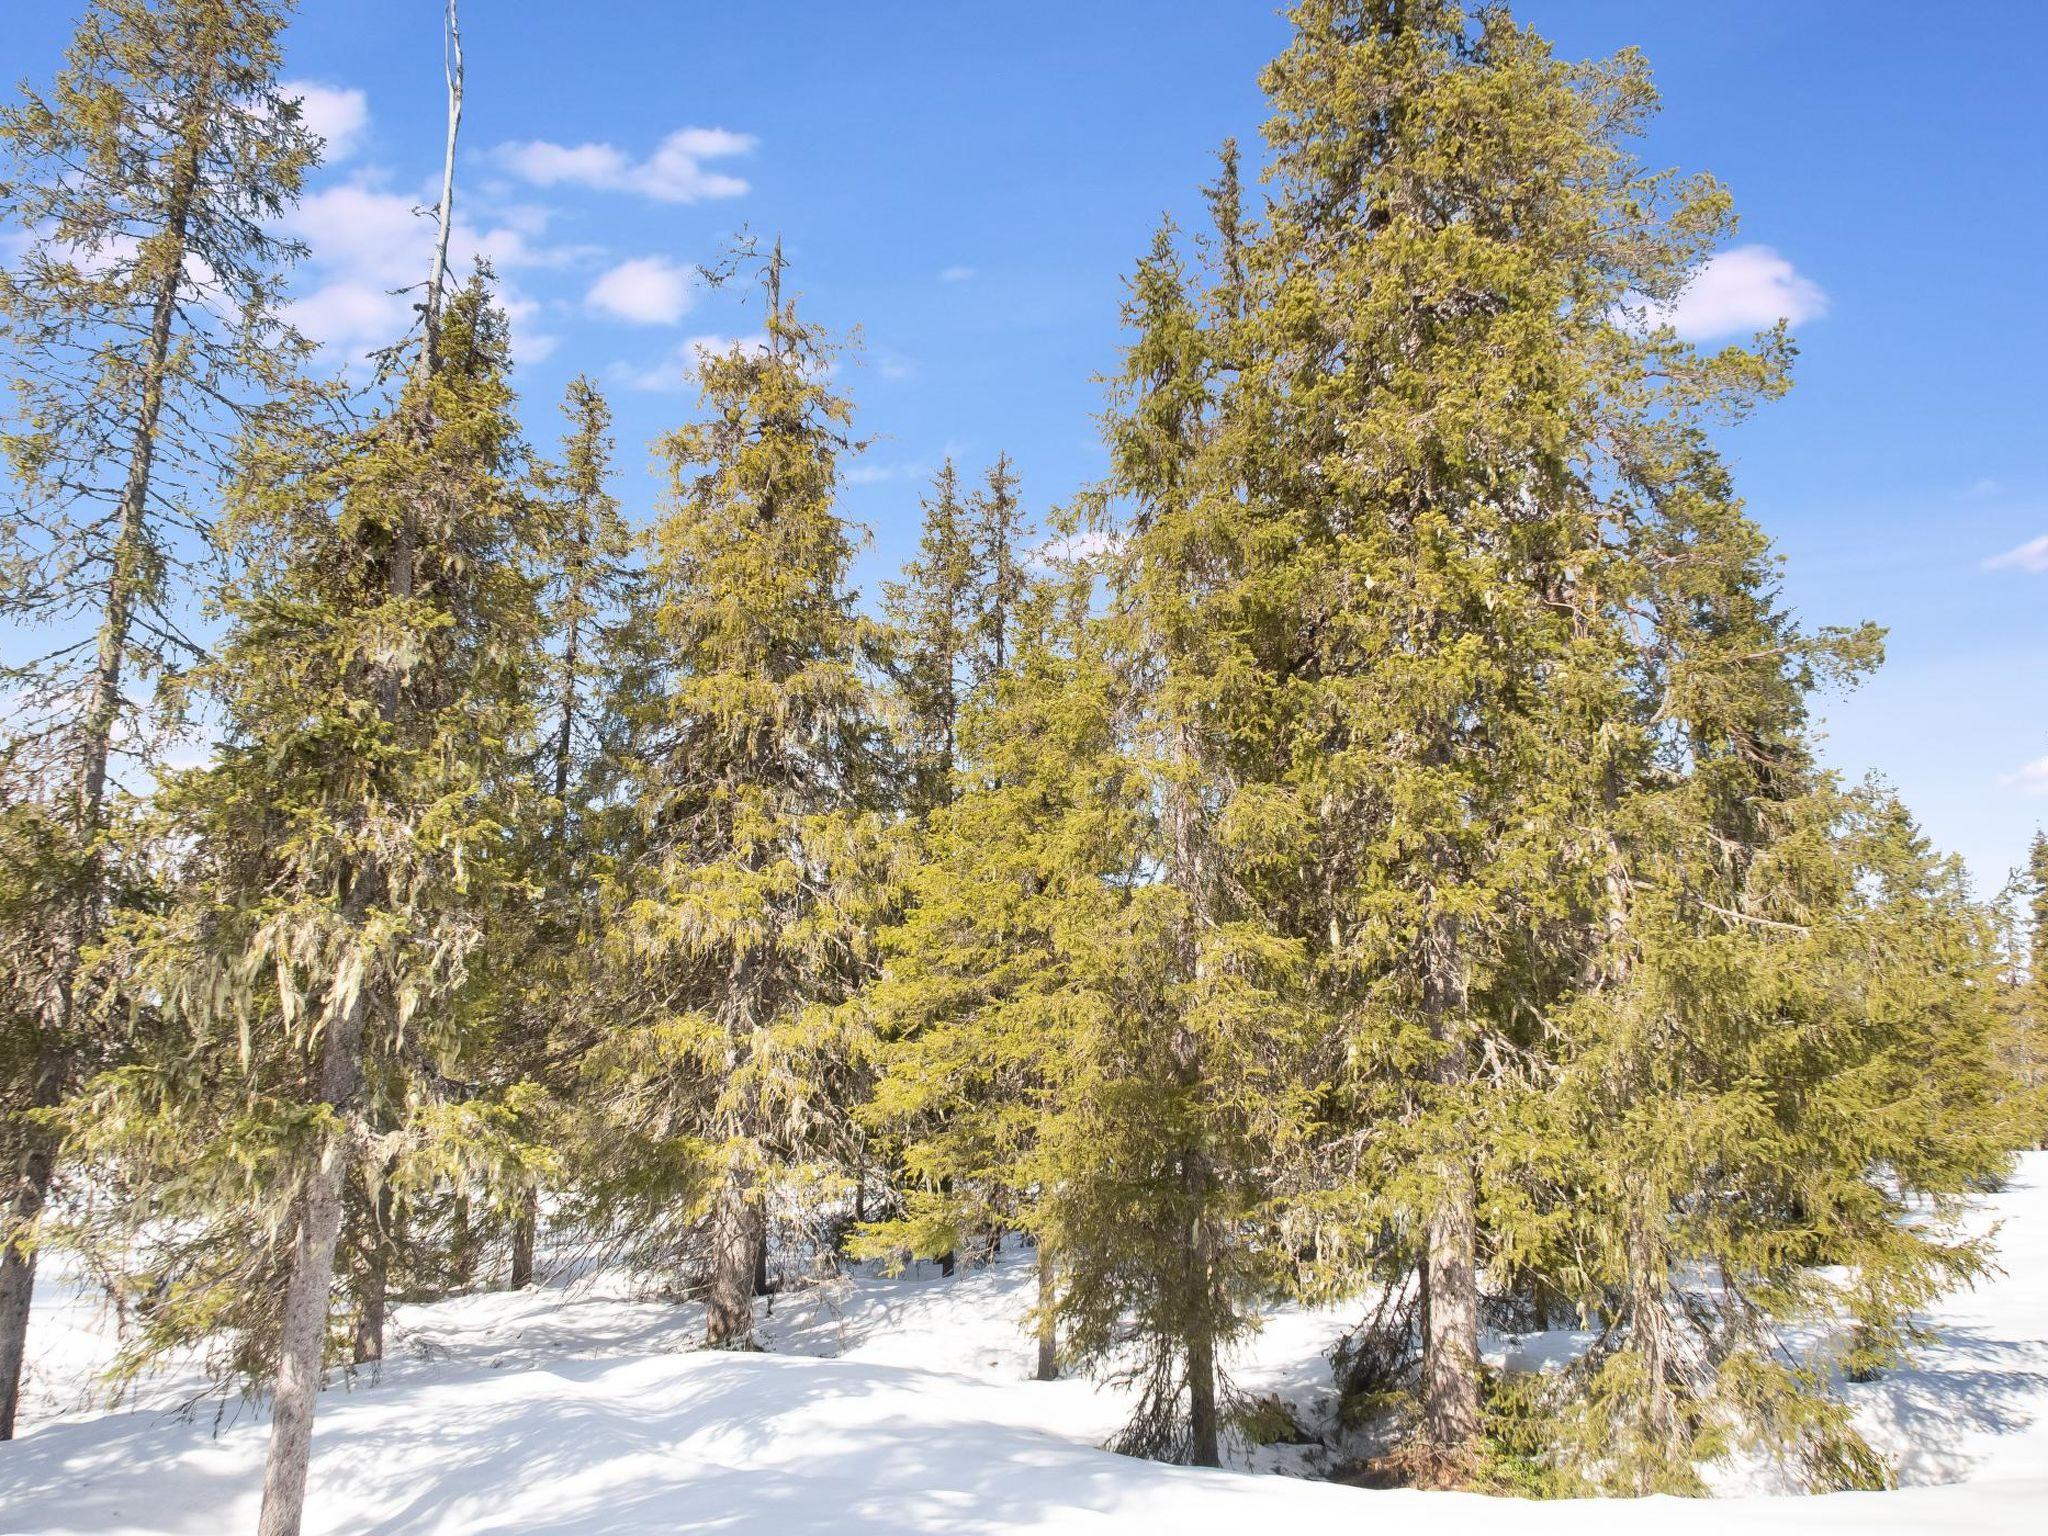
(736, 914)
(931, 612)
(301, 1002)
(998, 537)
(1446, 632)
(142, 319)
(547, 953)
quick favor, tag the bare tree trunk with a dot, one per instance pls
(462, 1254)
(760, 1241)
(1048, 1326)
(301, 1349)
(735, 1222)
(430, 319)
(525, 1231)
(1204, 1427)
(375, 1302)
(18, 1271)
(1204, 1437)
(1450, 1346)
(1450, 1341)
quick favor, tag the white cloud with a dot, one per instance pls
(2030, 556)
(339, 114)
(368, 243)
(2032, 779)
(1740, 292)
(354, 318)
(893, 365)
(956, 274)
(869, 473)
(679, 369)
(675, 173)
(648, 290)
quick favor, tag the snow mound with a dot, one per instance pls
(902, 1406)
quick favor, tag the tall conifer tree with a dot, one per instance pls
(143, 322)
(753, 763)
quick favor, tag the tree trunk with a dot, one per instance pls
(18, 1273)
(760, 1241)
(525, 1231)
(462, 1247)
(1450, 1332)
(1204, 1436)
(1204, 1430)
(1048, 1327)
(1450, 1346)
(735, 1222)
(302, 1346)
(375, 1301)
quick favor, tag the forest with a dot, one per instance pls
(1369, 850)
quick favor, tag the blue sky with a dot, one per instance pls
(967, 184)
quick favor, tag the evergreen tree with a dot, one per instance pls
(1433, 591)
(998, 536)
(300, 1001)
(546, 955)
(932, 613)
(737, 912)
(143, 324)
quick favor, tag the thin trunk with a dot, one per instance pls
(735, 1219)
(1204, 1437)
(1450, 1341)
(1048, 1327)
(18, 1272)
(375, 1303)
(525, 1231)
(430, 320)
(462, 1255)
(760, 1241)
(302, 1345)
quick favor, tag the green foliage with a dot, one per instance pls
(737, 914)
(345, 850)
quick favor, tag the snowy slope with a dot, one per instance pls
(900, 1406)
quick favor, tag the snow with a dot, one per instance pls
(902, 1406)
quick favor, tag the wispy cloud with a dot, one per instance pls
(957, 275)
(339, 114)
(2030, 556)
(678, 370)
(675, 173)
(368, 241)
(648, 290)
(1741, 291)
(869, 472)
(2032, 779)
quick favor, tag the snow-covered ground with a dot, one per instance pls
(902, 1406)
